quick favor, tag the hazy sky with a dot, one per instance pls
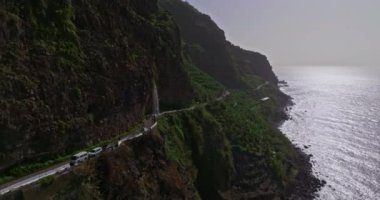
(302, 32)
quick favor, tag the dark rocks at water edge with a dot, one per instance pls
(306, 185)
(283, 83)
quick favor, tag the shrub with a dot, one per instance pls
(46, 181)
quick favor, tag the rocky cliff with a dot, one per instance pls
(251, 63)
(75, 72)
(209, 50)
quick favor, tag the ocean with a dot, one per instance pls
(336, 118)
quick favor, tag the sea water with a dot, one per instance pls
(336, 118)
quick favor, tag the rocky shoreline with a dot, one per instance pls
(306, 185)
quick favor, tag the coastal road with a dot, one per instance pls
(59, 168)
(262, 85)
(220, 98)
(180, 110)
(65, 166)
(34, 177)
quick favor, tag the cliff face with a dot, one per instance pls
(140, 170)
(137, 170)
(209, 50)
(205, 42)
(251, 63)
(75, 72)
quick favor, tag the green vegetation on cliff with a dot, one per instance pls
(205, 87)
(208, 140)
(258, 161)
(28, 167)
(74, 73)
(197, 142)
(206, 45)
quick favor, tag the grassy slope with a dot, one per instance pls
(197, 143)
(202, 141)
(206, 88)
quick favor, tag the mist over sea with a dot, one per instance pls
(336, 118)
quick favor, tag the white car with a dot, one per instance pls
(78, 158)
(4, 191)
(145, 130)
(95, 152)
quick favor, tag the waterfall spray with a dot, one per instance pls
(156, 103)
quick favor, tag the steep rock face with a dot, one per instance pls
(91, 64)
(196, 142)
(252, 63)
(211, 52)
(75, 72)
(136, 170)
(140, 170)
(205, 42)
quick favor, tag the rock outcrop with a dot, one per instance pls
(209, 50)
(73, 73)
(76, 72)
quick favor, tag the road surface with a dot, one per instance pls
(262, 85)
(62, 167)
(59, 168)
(65, 166)
(34, 177)
(220, 98)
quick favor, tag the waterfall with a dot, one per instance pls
(156, 102)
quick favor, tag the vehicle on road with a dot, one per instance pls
(78, 158)
(5, 191)
(111, 146)
(95, 152)
(145, 130)
(62, 170)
